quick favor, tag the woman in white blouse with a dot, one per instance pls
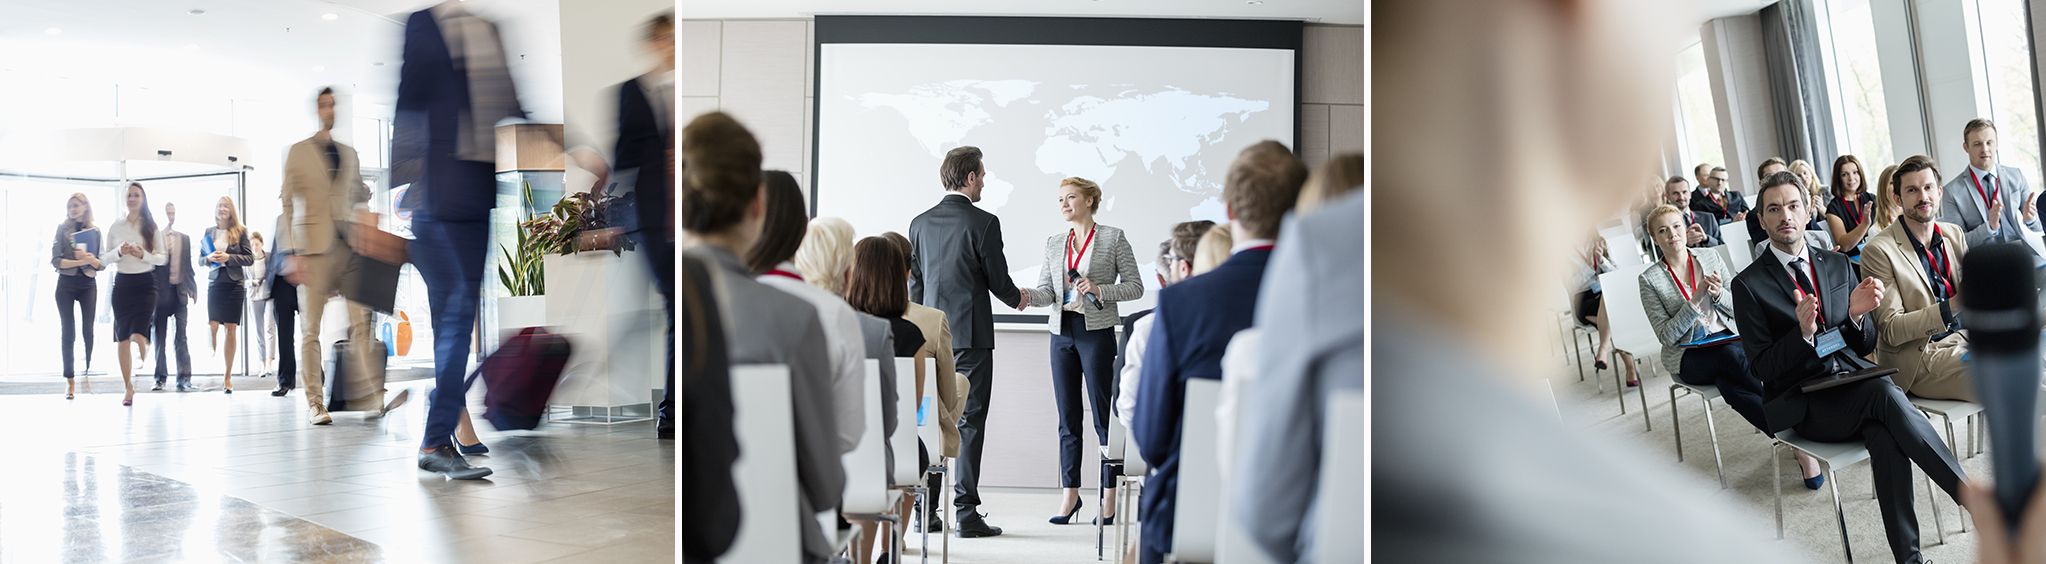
(132, 246)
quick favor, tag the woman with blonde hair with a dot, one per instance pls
(225, 295)
(1886, 208)
(77, 278)
(1339, 175)
(1214, 249)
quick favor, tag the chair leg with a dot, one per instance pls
(1776, 478)
(1641, 392)
(1619, 382)
(1712, 431)
(1675, 424)
(1938, 524)
(1839, 513)
(1100, 494)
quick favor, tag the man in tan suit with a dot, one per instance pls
(1919, 320)
(323, 195)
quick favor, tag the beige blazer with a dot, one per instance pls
(951, 385)
(319, 206)
(1909, 316)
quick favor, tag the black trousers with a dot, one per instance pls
(1876, 413)
(1726, 366)
(284, 305)
(979, 367)
(84, 291)
(166, 311)
(1074, 353)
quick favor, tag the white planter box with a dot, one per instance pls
(606, 305)
(520, 312)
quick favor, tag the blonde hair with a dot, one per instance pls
(1804, 172)
(234, 220)
(1656, 212)
(1335, 177)
(79, 197)
(1088, 189)
(1884, 199)
(826, 254)
(1214, 249)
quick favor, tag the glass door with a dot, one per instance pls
(30, 331)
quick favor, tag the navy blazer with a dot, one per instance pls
(431, 94)
(1191, 327)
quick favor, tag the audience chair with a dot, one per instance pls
(1631, 334)
(867, 495)
(928, 429)
(1111, 461)
(1200, 482)
(1739, 250)
(1340, 509)
(1706, 393)
(766, 474)
(1128, 486)
(1832, 457)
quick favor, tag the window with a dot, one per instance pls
(1861, 115)
(1697, 121)
(2007, 56)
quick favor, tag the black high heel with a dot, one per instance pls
(1068, 517)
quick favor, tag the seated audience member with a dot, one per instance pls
(1769, 168)
(1174, 266)
(1851, 209)
(1304, 358)
(1336, 177)
(1195, 319)
(1700, 228)
(1987, 198)
(1886, 208)
(783, 233)
(1590, 305)
(937, 332)
(1802, 316)
(886, 338)
(875, 290)
(1918, 260)
(1713, 196)
(722, 215)
(711, 448)
(1213, 249)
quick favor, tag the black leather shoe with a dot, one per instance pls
(975, 526)
(664, 429)
(446, 461)
(280, 392)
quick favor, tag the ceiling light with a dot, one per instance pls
(330, 16)
(1255, 2)
(53, 31)
(377, 64)
(196, 12)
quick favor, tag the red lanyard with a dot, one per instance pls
(1853, 208)
(1988, 197)
(1260, 247)
(1680, 283)
(785, 274)
(1815, 293)
(1939, 262)
(1072, 255)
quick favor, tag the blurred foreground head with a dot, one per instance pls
(1504, 130)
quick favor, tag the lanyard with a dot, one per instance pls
(1680, 283)
(1072, 255)
(1988, 197)
(1940, 269)
(785, 274)
(1814, 291)
(1853, 207)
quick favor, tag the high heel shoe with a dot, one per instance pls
(469, 450)
(127, 402)
(1068, 517)
(1814, 482)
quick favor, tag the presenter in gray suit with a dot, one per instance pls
(1987, 199)
(1086, 271)
(955, 262)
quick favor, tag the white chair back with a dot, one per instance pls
(1118, 443)
(765, 474)
(1739, 249)
(1625, 315)
(927, 423)
(903, 442)
(1624, 247)
(2036, 241)
(866, 480)
(1341, 507)
(1200, 480)
(1133, 464)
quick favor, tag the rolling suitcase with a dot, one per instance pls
(519, 378)
(343, 388)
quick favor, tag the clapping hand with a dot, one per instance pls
(1713, 286)
(1865, 297)
(1996, 214)
(1807, 314)
(1697, 234)
(2031, 211)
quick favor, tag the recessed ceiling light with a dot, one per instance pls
(377, 64)
(196, 12)
(1255, 2)
(330, 16)
(53, 31)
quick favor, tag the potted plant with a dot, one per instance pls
(523, 273)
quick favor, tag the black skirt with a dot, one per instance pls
(134, 305)
(224, 300)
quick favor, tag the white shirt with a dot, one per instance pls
(1132, 370)
(1809, 268)
(846, 348)
(1077, 238)
(124, 232)
(1239, 371)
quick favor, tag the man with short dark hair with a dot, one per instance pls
(1802, 316)
(1195, 320)
(955, 261)
(1769, 168)
(1701, 229)
(1714, 197)
(1986, 197)
(1919, 259)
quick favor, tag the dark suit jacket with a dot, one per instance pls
(1195, 320)
(276, 265)
(238, 256)
(711, 447)
(185, 285)
(1765, 310)
(955, 261)
(1711, 226)
(431, 94)
(1701, 200)
(644, 143)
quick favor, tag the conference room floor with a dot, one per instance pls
(1810, 529)
(215, 477)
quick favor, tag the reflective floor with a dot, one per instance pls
(211, 477)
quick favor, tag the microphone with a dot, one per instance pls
(1092, 300)
(2000, 294)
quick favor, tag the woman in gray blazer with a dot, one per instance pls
(1685, 296)
(1087, 270)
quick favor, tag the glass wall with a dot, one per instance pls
(2008, 54)
(1697, 122)
(1855, 80)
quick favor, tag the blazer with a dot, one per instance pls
(711, 446)
(1701, 200)
(320, 207)
(769, 326)
(273, 275)
(1113, 260)
(955, 261)
(951, 389)
(1711, 226)
(433, 113)
(1191, 328)
(1672, 317)
(1766, 315)
(184, 285)
(1909, 314)
(61, 250)
(238, 256)
(646, 144)
(1958, 205)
